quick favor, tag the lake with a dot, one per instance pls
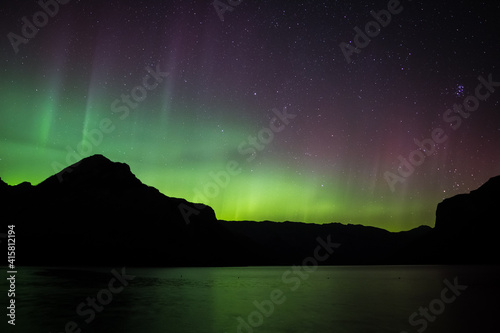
(256, 299)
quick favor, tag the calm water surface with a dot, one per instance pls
(257, 299)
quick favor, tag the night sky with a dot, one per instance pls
(271, 114)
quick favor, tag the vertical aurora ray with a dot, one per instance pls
(49, 110)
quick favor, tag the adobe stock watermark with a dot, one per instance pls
(221, 7)
(427, 146)
(292, 278)
(103, 298)
(40, 19)
(372, 29)
(120, 106)
(436, 307)
(249, 149)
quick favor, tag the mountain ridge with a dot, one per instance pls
(97, 208)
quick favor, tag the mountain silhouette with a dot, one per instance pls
(100, 213)
(467, 225)
(97, 213)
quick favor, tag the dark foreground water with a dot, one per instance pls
(256, 299)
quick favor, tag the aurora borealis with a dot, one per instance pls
(197, 106)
